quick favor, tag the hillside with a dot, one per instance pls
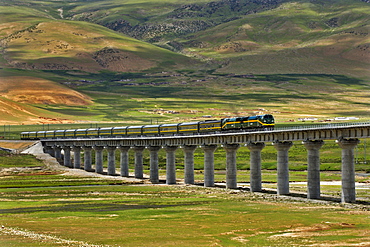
(37, 42)
(138, 61)
(295, 37)
(274, 36)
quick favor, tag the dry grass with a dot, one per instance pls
(33, 90)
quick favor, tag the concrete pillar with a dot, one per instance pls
(348, 169)
(49, 150)
(124, 161)
(57, 152)
(76, 157)
(87, 158)
(98, 159)
(170, 164)
(282, 166)
(189, 163)
(154, 174)
(255, 166)
(67, 156)
(209, 173)
(139, 162)
(313, 168)
(231, 170)
(111, 160)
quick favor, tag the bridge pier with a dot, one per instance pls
(189, 163)
(170, 164)
(138, 161)
(348, 169)
(282, 166)
(49, 150)
(87, 158)
(98, 159)
(313, 168)
(154, 174)
(67, 156)
(124, 160)
(57, 152)
(209, 167)
(231, 169)
(76, 157)
(255, 165)
(111, 160)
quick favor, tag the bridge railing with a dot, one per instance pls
(324, 126)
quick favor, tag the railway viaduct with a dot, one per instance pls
(313, 137)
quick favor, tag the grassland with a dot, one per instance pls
(141, 98)
(167, 216)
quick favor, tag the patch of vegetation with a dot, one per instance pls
(18, 160)
(137, 214)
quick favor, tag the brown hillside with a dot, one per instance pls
(17, 113)
(39, 91)
(19, 93)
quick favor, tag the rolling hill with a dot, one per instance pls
(136, 61)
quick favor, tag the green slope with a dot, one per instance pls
(297, 37)
(59, 44)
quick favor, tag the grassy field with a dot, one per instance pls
(138, 98)
(171, 215)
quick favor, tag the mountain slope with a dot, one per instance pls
(134, 58)
(65, 45)
(296, 37)
(32, 41)
(258, 34)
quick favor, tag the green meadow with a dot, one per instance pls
(136, 215)
(145, 98)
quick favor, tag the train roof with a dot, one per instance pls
(151, 126)
(188, 123)
(169, 125)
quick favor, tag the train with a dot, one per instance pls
(247, 123)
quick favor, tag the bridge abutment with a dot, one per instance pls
(255, 166)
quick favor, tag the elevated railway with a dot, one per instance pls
(347, 135)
